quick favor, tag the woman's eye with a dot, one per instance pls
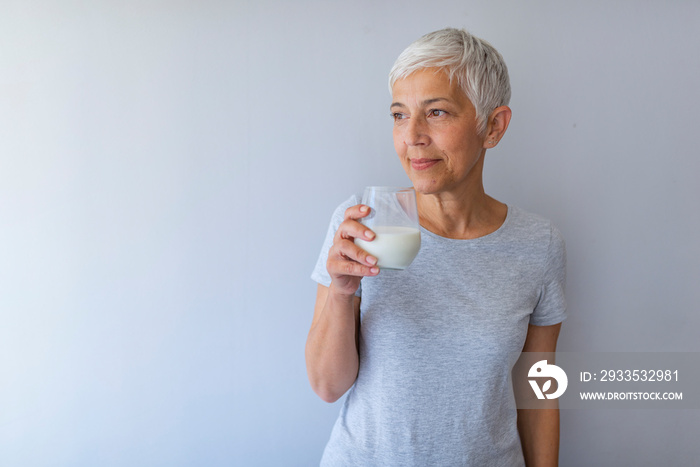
(436, 113)
(398, 116)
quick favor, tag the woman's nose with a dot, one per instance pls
(416, 132)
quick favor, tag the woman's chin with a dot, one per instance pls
(426, 187)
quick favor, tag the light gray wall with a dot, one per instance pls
(167, 170)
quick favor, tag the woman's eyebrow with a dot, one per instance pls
(424, 103)
(434, 100)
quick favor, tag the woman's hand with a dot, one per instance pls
(348, 263)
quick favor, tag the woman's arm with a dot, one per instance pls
(332, 358)
(539, 428)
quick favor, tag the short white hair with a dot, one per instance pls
(477, 66)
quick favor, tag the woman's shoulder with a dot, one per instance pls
(339, 213)
(523, 215)
(532, 225)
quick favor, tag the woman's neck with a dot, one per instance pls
(460, 217)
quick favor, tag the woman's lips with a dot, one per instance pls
(422, 164)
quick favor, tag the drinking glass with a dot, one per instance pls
(394, 220)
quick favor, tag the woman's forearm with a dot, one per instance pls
(539, 435)
(332, 359)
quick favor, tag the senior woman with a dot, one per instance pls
(427, 352)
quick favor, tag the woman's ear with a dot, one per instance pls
(496, 126)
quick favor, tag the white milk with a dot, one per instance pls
(394, 247)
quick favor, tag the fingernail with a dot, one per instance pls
(374, 270)
(372, 260)
(363, 209)
(369, 234)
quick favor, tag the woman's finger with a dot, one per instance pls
(357, 212)
(345, 267)
(350, 229)
(346, 250)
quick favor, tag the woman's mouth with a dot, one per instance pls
(423, 164)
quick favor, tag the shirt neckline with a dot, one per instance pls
(489, 236)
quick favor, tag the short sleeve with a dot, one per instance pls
(320, 273)
(551, 307)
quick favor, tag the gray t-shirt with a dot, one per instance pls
(438, 341)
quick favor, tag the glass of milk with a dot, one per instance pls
(394, 220)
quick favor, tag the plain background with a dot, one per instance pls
(167, 174)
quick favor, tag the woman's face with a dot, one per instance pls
(435, 133)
